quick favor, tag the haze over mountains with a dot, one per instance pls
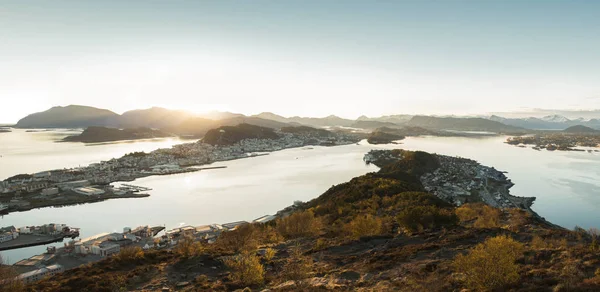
(186, 123)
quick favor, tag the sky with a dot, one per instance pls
(307, 58)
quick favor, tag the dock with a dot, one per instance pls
(135, 189)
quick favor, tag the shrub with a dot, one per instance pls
(484, 215)
(297, 266)
(240, 239)
(491, 264)
(130, 253)
(8, 279)
(299, 224)
(246, 269)
(365, 225)
(538, 243)
(187, 247)
(425, 217)
(269, 254)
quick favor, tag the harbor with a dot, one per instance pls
(13, 238)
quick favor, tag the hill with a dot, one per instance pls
(103, 134)
(227, 135)
(580, 129)
(198, 127)
(155, 117)
(381, 136)
(305, 130)
(363, 124)
(329, 121)
(461, 124)
(72, 116)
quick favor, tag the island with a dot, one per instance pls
(566, 140)
(104, 134)
(92, 183)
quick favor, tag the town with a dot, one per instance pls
(460, 180)
(76, 253)
(558, 141)
(92, 183)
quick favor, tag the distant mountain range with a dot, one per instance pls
(184, 123)
(552, 122)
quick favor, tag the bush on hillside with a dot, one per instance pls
(246, 269)
(365, 225)
(419, 218)
(299, 224)
(490, 265)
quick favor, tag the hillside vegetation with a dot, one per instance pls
(103, 134)
(228, 135)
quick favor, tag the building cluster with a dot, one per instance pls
(459, 180)
(206, 233)
(556, 141)
(41, 273)
(106, 244)
(10, 233)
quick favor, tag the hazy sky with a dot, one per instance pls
(310, 58)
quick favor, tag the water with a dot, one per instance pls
(566, 184)
(23, 152)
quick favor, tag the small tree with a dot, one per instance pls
(241, 239)
(187, 247)
(299, 224)
(365, 225)
(130, 253)
(246, 269)
(491, 264)
(297, 266)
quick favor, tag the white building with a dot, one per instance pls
(8, 233)
(50, 191)
(74, 184)
(106, 248)
(88, 191)
(39, 274)
(265, 219)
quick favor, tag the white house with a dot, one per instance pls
(39, 274)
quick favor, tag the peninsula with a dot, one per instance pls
(566, 140)
(92, 183)
(104, 134)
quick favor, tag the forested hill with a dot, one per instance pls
(228, 135)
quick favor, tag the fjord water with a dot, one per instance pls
(566, 184)
(30, 152)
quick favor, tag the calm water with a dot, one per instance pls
(23, 152)
(567, 184)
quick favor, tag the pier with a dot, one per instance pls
(135, 189)
(27, 240)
